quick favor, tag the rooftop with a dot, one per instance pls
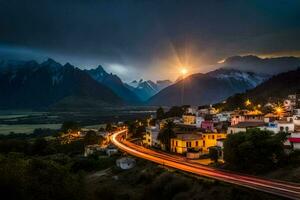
(248, 124)
(189, 136)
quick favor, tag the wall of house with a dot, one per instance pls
(210, 140)
(180, 146)
(232, 130)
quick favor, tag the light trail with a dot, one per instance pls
(280, 188)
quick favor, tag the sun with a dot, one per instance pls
(183, 71)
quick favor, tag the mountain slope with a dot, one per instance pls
(146, 89)
(275, 89)
(261, 65)
(208, 88)
(33, 85)
(114, 83)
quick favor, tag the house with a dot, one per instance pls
(111, 150)
(191, 110)
(254, 116)
(220, 145)
(270, 117)
(195, 142)
(243, 126)
(91, 149)
(150, 138)
(237, 117)
(270, 126)
(211, 139)
(189, 119)
(199, 121)
(223, 116)
(183, 142)
(207, 125)
(294, 140)
(246, 116)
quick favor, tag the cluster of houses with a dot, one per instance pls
(196, 131)
(200, 129)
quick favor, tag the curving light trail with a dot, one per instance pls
(280, 188)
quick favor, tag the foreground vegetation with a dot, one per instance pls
(40, 167)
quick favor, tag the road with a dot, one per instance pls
(280, 188)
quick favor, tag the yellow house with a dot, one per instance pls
(189, 119)
(183, 142)
(210, 140)
(196, 141)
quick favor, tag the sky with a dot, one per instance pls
(148, 39)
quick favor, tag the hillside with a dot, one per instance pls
(256, 64)
(31, 85)
(275, 89)
(113, 82)
(212, 87)
(146, 89)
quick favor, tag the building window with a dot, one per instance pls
(196, 143)
(213, 137)
(287, 129)
(176, 143)
(188, 144)
(203, 143)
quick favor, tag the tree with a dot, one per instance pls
(91, 137)
(175, 111)
(109, 127)
(68, 126)
(254, 150)
(166, 134)
(160, 113)
(213, 154)
(39, 146)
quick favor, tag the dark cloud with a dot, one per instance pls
(149, 37)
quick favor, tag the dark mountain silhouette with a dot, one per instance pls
(114, 83)
(261, 65)
(146, 89)
(274, 89)
(212, 87)
(33, 85)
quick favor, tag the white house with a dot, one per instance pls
(199, 121)
(243, 126)
(294, 140)
(223, 116)
(151, 135)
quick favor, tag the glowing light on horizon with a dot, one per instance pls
(183, 71)
(221, 61)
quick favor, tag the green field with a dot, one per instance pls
(25, 128)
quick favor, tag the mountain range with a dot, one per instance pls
(146, 89)
(274, 89)
(212, 87)
(50, 84)
(114, 83)
(28, 84)
(256, 64)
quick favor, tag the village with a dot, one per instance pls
(199, 134)
(201, 130)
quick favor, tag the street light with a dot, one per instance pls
(247, 102)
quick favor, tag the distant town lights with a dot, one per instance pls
(247, 102)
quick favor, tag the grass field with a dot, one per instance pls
(25, 128)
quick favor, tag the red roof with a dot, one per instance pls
(296, 140)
